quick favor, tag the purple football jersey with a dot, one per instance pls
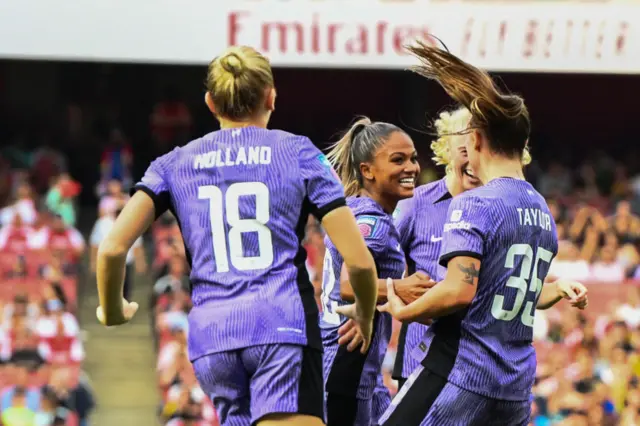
(242, 198)
(487, 347)
(419, 221)
(344, 371)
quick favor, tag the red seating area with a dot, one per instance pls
(46, 330)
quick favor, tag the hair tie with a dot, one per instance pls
(357, 130)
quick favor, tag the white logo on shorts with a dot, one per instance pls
(289, 329)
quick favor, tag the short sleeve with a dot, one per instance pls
(404, 218)
(466, 229)
(154, 183)
(324, 189)
(375, 230)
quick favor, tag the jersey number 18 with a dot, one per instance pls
(230, 205)
(525, 281)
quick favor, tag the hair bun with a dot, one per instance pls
(233, 64)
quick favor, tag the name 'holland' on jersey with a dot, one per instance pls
(253, 155)
(242, 198)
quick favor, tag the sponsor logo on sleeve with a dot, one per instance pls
(325, 162)
(367, 225)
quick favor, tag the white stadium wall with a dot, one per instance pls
(542, 36)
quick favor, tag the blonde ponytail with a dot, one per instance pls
(342, 159)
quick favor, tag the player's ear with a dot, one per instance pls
(270, 99)
(208, 100)
(476, 140)
(366, 171)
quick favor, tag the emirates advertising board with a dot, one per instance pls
(513, 36)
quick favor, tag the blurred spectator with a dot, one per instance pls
(5, 182)
(18, 413)
(14, 236)
(607, 268)
(26, 396)
(59, 238)
(60, 198)
(20, 308)
(23, 206)
(175, 280)
(116, 163)
(621, 187)
(168, 243)
(556, 182)
(314, 246)
(170, 122)
(113, 200)
(70, 396)
(135, 257)
(46, 164)
(568, 264)
(625, 224)
(50, 412)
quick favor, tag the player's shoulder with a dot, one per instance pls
(288, 146)
(283, 135)
(365, 206)
(370, 216)
(482, 195)
(430, 192)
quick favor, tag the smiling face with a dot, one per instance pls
(394, 169)
(459, 164)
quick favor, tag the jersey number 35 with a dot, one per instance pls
(527, 280)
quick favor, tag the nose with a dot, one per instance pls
(412, 168)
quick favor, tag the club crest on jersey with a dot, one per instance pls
(456, 215)
(325, 161)
(367, 225)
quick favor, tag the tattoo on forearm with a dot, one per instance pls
(470, 272)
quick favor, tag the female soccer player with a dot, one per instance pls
(477, 361)
(377, 163)
(242, 196)
(420, 221)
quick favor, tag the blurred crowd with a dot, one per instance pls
(184, 402)
(41, 348)
(596, 210)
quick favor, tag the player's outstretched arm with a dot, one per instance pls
(137, 215)
(408, 289)
(555, 291)
(456, 291)
(341, 227)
